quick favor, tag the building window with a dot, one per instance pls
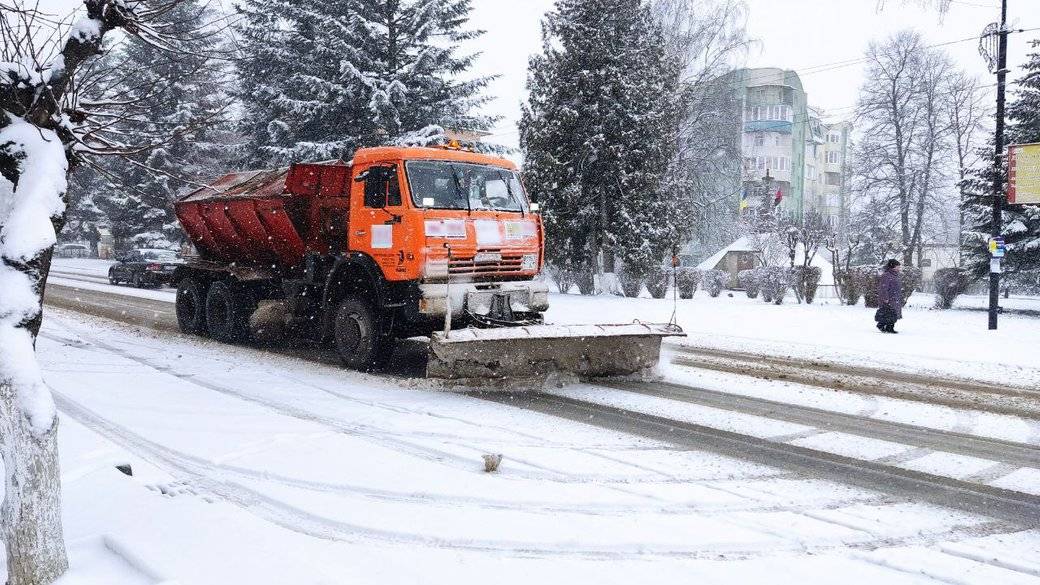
(833, 138)
(810, 172)
(833, 179)
(760, 139)
(833, 158)
(777, 137)
(926, 263)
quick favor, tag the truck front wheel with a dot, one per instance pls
(360, 337)
(191, 306)
(227, 312)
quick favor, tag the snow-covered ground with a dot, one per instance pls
(251, 467)
(948, 343)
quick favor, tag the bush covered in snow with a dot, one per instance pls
(749, 281)
(949, 284)
(631, 281)
(850, 286)
(563, 277)
(909, 281)
(869, 277)
(714, 281)
(657, 282)
(686, 280)
(585, 278)
(805, 280)
(774, 282)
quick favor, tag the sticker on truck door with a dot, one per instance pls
(382, 237)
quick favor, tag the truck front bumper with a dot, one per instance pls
(525, 296)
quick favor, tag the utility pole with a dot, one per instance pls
(1001, 35)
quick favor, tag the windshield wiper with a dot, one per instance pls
(507, 179)
(458, 190)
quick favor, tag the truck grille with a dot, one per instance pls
(507, 266)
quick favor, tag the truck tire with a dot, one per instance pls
(112, 277)
(227, 311)
(360, 336)
(191, 306)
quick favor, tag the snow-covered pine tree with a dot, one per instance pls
(1021, 223)
(320, 79)
(596, 133)
(179, 94)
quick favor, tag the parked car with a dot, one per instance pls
(73, 251)
(145, 267)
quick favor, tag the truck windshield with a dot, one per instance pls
(464, 186)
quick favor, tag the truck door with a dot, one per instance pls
(379, 209)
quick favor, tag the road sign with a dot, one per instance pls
(1024, 173)
(997, 249)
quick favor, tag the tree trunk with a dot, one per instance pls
(31, 511)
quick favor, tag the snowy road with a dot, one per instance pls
(717, 465)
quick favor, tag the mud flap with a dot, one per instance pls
(586, 351)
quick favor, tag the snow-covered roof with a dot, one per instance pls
(740, 245)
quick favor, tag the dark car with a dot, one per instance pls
(145, 267)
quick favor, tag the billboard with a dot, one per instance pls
(1024, 173)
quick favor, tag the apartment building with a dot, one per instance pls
(782, 136)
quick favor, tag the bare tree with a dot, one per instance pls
(706, 39)
(967, 112)
(907, 135)
(45, 128)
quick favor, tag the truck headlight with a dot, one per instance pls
(529, 262)
(435, 269)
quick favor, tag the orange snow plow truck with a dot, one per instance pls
(399, 242)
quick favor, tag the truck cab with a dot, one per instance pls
(457, 224)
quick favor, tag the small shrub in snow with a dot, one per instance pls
(849, 286)
(869, 277)
(657, 282)
(631, 282)
(909, 281)
(805, 280)
(949, 284)
(714, 280)
(774, 283)
(563, 277)
(749, 281)
(686, 280)
(586, 281)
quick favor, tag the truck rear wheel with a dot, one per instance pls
(191, 306)
(360, 337)
(227, 312)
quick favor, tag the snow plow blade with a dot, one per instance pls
(586, 351)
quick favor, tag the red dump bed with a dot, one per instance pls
(257, 217)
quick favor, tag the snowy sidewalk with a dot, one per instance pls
(946, 343)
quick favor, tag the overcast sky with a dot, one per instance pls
(791, 34)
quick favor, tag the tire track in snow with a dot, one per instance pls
(199, 473)
(1006, 505)
(925, 439)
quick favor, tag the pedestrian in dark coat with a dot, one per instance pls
(890, 298)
